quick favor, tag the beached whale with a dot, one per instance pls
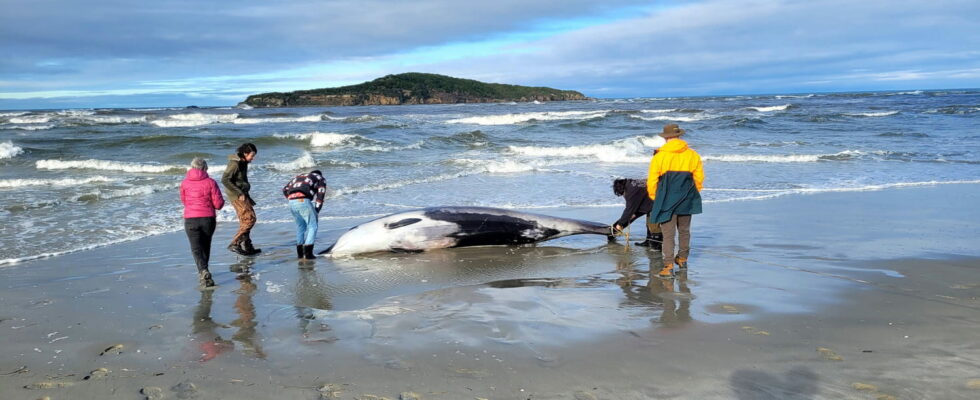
(445, 227)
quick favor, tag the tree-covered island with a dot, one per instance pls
(412, 88)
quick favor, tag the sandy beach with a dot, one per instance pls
(850, 295)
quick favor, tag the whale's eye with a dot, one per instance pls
(404, 222)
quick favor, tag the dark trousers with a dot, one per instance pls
(199, 232)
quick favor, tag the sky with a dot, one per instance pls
(124, 53)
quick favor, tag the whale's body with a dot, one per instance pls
(445, 227)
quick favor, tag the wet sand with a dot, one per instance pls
(866, 295)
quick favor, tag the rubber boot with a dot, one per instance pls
(237, 249)
(308, 252)
(248, 249)
(656, 241)
(299, 251)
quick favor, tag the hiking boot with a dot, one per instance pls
(249, 250)
(666, 272)
(234, 248)
(299, 251)
(308, 252)
(681, 263)
(204, 277)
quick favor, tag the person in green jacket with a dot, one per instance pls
(235, 181)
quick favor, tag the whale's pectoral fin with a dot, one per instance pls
(404, 222)
(327, 250)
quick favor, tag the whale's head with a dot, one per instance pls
(404, 232)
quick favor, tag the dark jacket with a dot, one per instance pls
(309, 185)
(675, 181)
(235, 178)
(637, 201)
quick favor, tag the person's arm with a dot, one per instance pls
(285, 189)
(634, 197)
(182, 198)
(233, 191)
(217, 201)
(321, 191)
(653, 178)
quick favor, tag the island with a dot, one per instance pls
(412, 88)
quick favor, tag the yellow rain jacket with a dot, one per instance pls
(674, 182)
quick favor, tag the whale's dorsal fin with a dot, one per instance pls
(404, 222)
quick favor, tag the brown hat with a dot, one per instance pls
(671, 131)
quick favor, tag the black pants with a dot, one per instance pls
(199, 232)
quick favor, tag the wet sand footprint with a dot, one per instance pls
(973, 384)
(100, 373)
(829, 354)
(754, 331)
(867, 387)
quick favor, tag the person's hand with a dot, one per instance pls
(617, 228)
(241, 197)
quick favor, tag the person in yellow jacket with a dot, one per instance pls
(674, 184)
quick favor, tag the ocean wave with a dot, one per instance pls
(783, 107)
(277, 120)
(865, 188)
(398, 184)
(383, 149)
(109, 119)
(18, 183)
(193, 119)
(304, 161)
(792, 158)
(42, 127)
(31, 119)
(323, 139)
(872, 114)
(791, 96)
(9, 150)
(513, 119)
(630, 150)
(13, 114)
(134, 191)
(109, 166)
(659, 111)
(671, 118)
(496, 166)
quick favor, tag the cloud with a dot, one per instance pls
(218, 50)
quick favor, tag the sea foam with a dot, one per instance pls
(9, 150)
(304, 161)
(193, 119)
(16, 183)
(108, 166)
(321, 139)
(513, 119)
(783, 107)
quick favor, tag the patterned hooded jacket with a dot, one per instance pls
(307, 186)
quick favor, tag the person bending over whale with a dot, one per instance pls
(638, 204)
(305, 194)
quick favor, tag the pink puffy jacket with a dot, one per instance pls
(200, 194)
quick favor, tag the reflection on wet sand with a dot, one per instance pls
(657, 292)
(246, 333)
(205, 329)
(311, 295)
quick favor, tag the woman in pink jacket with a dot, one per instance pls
(201, 197)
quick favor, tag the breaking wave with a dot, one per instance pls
(783, 107)
(194, 119)
(110, 166)
(16, 183)
(872, 114)
(513, 119)
(630, 150)
(304, 161)
(322, 139)
(9, 150)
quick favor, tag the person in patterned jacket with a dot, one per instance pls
(305, 194)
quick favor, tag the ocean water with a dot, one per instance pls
(75, 179)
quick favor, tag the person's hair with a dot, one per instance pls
(316, 171)
(245, 149)
(199, 163)
(619, 186)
